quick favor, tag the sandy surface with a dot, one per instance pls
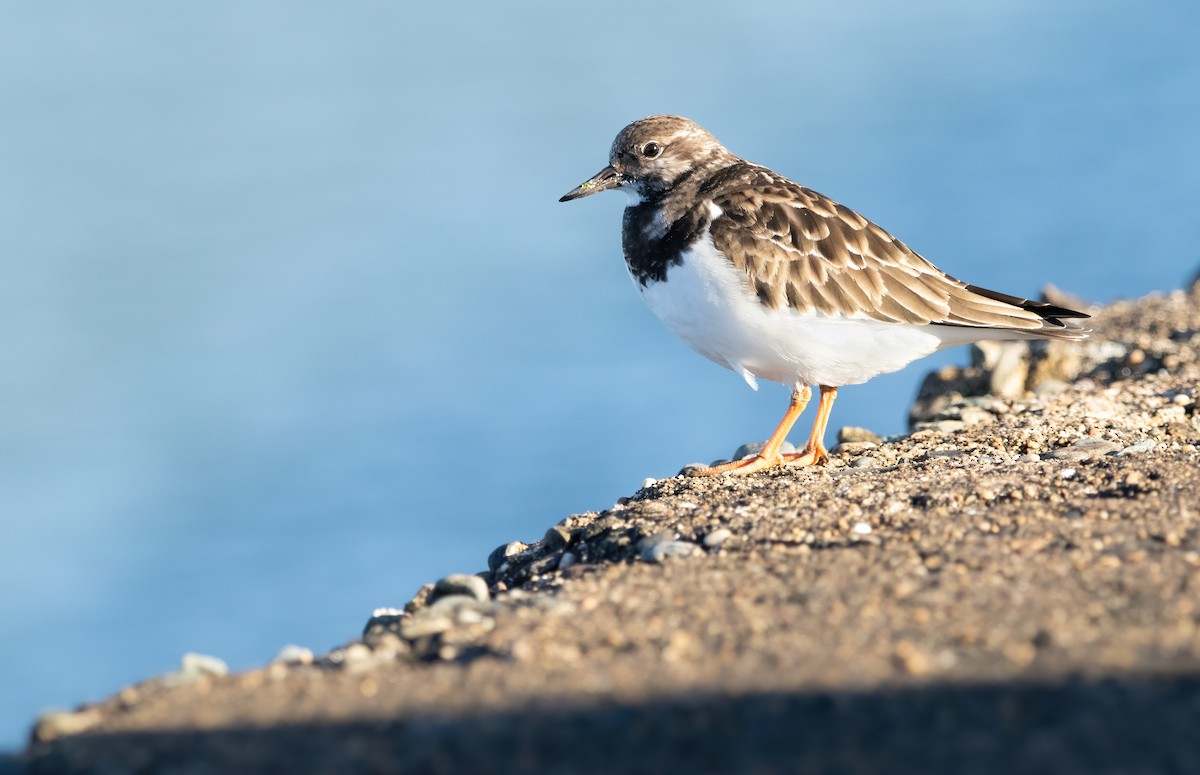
(1014, 588)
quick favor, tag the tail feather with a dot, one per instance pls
(1051, 313)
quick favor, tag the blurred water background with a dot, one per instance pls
(291, 321)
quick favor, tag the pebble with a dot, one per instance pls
(973, 415)
(659, 552)
(649, 481)
(500, 554)
(424, 624)
(1145, 445)
(462, 584)
(1067, 473)
(1084, 449)
(850, 434)
(717, 537)
(567, 560)
(357, 657)
(195, 665)
(866, 461)
(862, 528)
(663, 544)
(557, 537)
(942, 426)
(293, 655)
(752, 448)
(454, 602)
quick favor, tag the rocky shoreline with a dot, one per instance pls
(1014, 586)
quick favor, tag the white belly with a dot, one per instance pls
(708, 303)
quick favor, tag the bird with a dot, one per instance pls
(775, 281)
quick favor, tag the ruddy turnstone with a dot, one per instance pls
(775, 281)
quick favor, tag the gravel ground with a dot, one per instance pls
(1015, 586)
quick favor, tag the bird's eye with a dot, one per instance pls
(650, 150)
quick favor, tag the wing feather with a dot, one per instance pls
(802, 250)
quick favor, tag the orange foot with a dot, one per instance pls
(814, 452)
(809, 457)
(749, 465)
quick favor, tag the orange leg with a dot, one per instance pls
(814, 451)
(770, 454)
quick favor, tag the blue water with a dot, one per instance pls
(291, 320)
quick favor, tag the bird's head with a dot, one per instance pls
(652, 155)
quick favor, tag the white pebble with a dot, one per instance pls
(1067, 473)
(862, 528)
(688, 505)
(717, 537)
(202, 664)
(294, 655)
(649, 481)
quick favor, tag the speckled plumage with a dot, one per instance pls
(774, 280)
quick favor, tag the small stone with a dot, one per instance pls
(461, 584)
(752, 448)
(942, 426)
(973, 415)
(663, 544)
(850, 434)
(862, 529)
(557, 537)
(567, 560)
(659, 552)
(866, 461)
(1067, 473)
(357, 657)
(1145, 445)
(196, 665)
(293, 655)
(717, 537)
(424, 624)
(1084, 449)
(454, 602)
(500, 554)
(649, 481)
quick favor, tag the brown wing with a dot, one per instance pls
(805, 251)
